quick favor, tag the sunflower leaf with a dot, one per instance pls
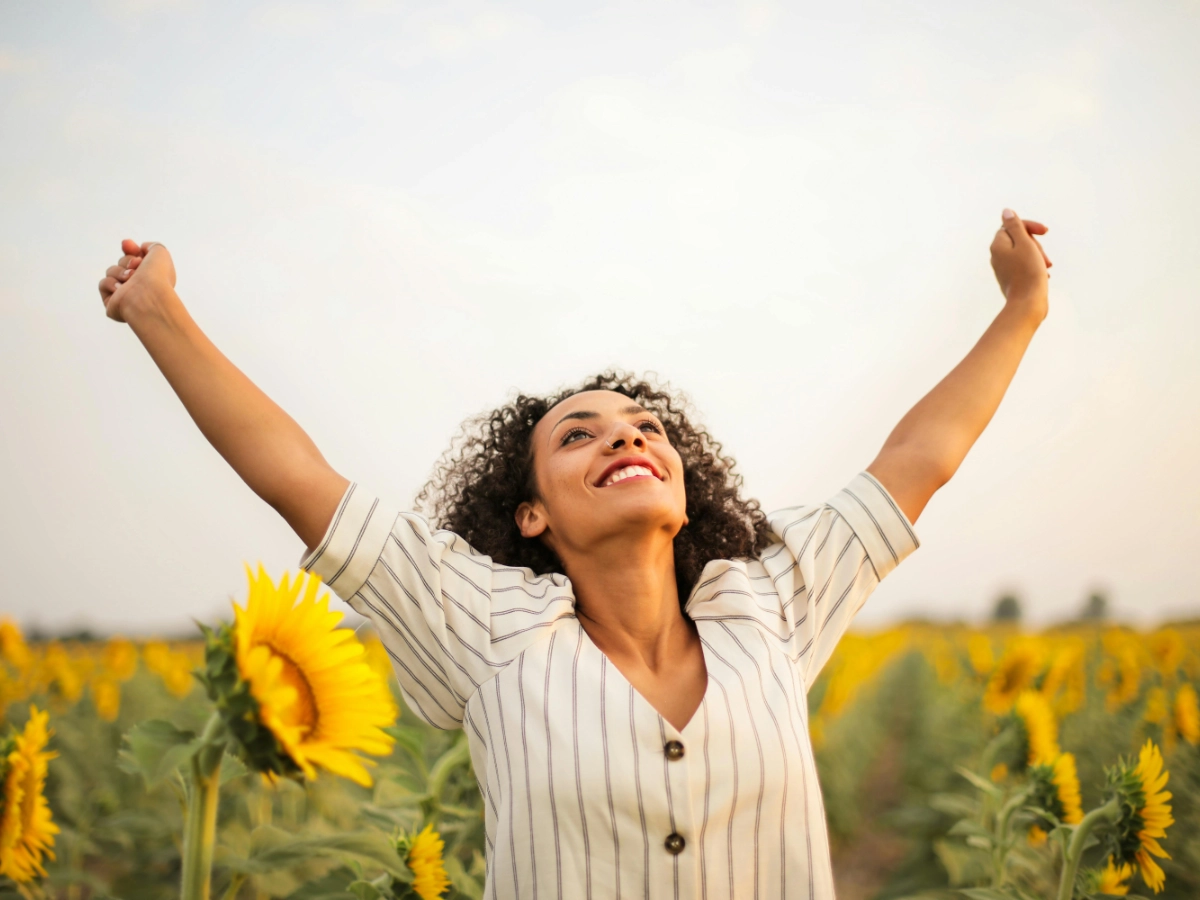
(331, 886)
(154, 749)
(462, 881)
(982, 783)
(272, 849)
(231, 768)
(967, 827)
(371, 890)
(954, 804)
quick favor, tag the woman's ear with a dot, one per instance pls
(531, 519)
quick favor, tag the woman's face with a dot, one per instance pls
(603, 468)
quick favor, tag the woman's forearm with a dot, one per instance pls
(948, 420)
(263, 444)
(928, 445)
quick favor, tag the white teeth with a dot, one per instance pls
(627, 472)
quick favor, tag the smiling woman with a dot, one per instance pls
(489, 472)
(627, 642)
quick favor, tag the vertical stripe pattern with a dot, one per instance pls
(580, 794)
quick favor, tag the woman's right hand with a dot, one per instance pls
(139, 279)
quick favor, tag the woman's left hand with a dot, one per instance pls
(1020, 263)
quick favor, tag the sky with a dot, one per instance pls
(392, 216)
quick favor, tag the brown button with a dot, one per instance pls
(674, 844)
(674, 750)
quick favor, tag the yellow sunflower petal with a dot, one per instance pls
(26, 827)
(310, 678)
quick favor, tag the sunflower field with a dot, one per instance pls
(272, 757)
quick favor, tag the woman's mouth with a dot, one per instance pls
(624, 470)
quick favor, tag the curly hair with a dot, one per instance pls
(487, 473)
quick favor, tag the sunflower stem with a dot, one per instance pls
(1109, 812)
(200, 825)
(1000, 846)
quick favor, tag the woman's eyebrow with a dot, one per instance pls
(590, 414)
(581, 414)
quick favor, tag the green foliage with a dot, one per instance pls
(116, 793)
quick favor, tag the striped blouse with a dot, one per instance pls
(588, 791)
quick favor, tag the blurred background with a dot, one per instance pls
(392, 215)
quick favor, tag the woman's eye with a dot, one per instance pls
(570, 436)
(651, 426)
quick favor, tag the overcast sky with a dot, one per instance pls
(391, 215)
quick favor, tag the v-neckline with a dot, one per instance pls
(641, 698)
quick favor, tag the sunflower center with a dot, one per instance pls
(303, 712)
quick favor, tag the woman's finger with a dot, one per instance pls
(1035, 227)
(1045, 258)
(1006, 242)
(131, 247)
(108, 287)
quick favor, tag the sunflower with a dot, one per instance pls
(425, 860)
(1056, 790)
(106, 697)
(1187, 714)
(157, 656)
(1121, 671)
(297, 691)
(120, 659)
(979, 652)
(1113, 880)
(1145, 814)
(1014, 673)
(12, 645)
(1065, 684)
(64, 674)
(26, 829)
(1156, 706)
(1167, 648)
(1041, 730)
(178, 675)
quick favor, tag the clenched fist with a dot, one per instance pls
(1020, 263)
(141, 277)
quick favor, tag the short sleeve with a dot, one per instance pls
(828, 561)
(450, 617)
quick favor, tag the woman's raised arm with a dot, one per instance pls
(262, 443)
(927, 446)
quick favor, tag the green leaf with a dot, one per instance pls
(409, 737)
(986, 894)
(458, 756)
(154, 749)
(983, 784)
(331, 886)
(231, 768)
(463, 883)
(963, 865)
(965, 827)
(272, 849)
(364, 890)
(954, 804)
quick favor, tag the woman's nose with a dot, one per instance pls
(623, 433)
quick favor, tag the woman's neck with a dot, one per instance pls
(627, 601)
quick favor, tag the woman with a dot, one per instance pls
(626, 641)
